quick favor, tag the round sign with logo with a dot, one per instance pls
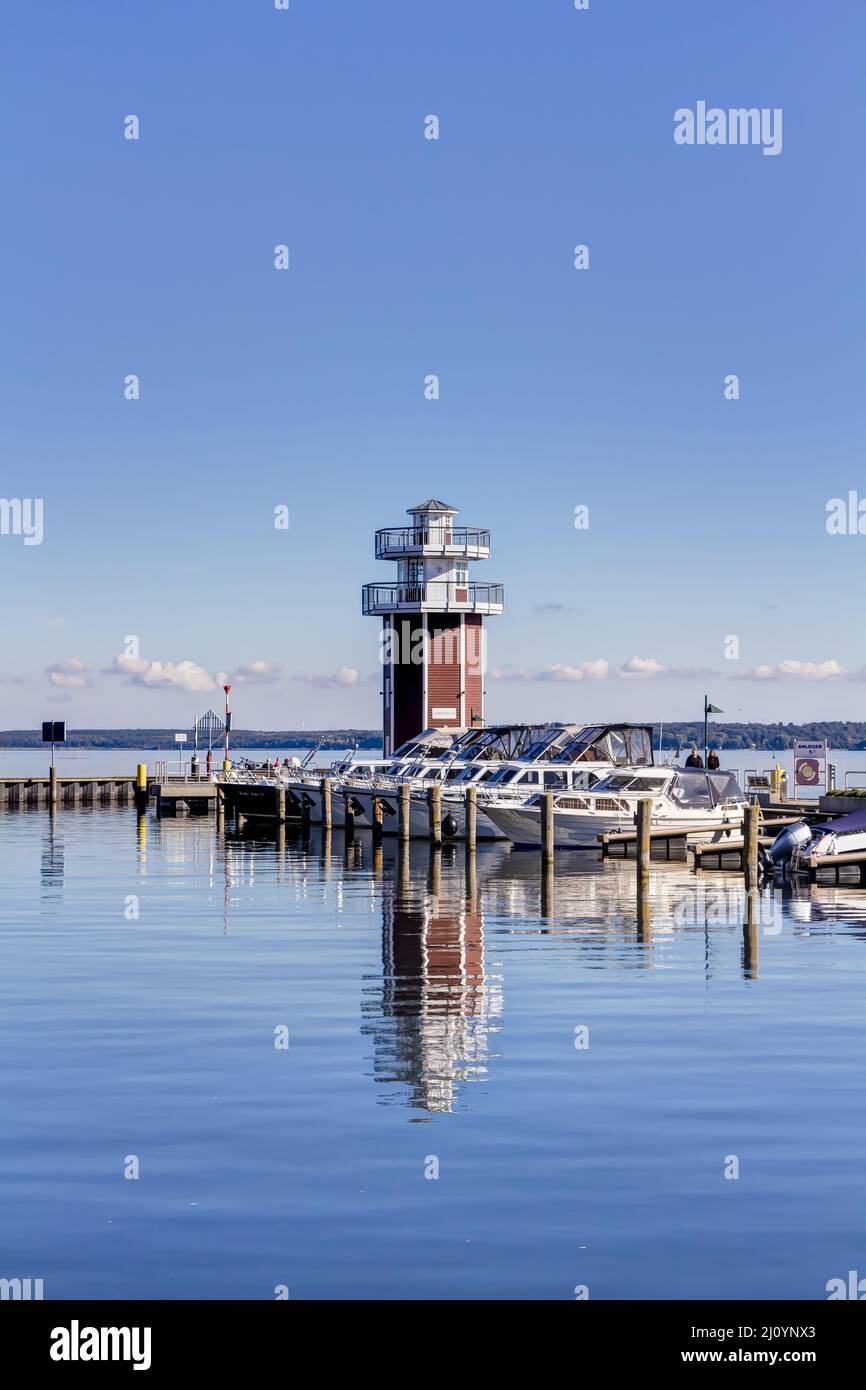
(807, 772)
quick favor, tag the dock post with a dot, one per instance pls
(643, 843)
(52, 785)
(750, 935)
(547, 827)
(434, 801)
(377, 820)
(471, 818)
(548, 888)
(644, 916)
(348, 817)
(403, 810)
(434, 874)
(327, 820)
(281, 805)
(750, 847)
(141, 786)
(471, 876)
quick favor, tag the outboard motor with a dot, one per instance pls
(782, 848)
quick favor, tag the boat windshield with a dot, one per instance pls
(692, 788)
(627, 781)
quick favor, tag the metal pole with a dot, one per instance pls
(226, 764)
(706, 730)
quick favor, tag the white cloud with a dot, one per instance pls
(162, 675)
(588, 670)
(795, 670)
(252, 673)
(345, 675)
(641, 668)
(71, 671)
(646, 668)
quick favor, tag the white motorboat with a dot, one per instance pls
(794, 847)
(304, 785)
(565, 757)
(483, 750)
(704, 806)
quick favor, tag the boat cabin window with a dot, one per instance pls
(556, 781)
(617, 748)
(725, 786)
(617, 782)
(646, 784)
(691, 790)
(641, 746)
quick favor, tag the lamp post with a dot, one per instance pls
(226, 764)
(708, 710)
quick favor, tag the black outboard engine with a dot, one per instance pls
(793, 837)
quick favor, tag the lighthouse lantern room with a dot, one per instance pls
(432, 643)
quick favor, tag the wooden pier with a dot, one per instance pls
(63, 790)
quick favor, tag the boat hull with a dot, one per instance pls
(522, 825)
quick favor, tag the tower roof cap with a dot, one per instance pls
(431, 505)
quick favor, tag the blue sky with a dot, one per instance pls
(408, 257)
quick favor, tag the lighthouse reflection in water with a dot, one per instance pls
(434, 1015)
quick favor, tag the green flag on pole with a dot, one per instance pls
(708, 710)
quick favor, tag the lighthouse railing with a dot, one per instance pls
(401, 540)
(438, 597)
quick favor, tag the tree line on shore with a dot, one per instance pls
(838, 733)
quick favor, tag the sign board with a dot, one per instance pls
(180, 738)
(810, 763)
(443, 713)
(54, 731)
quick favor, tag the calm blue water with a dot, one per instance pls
(430, 1018)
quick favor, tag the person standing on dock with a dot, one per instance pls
(694, 759)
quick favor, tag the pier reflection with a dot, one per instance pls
(434, 1012)
(53, 862)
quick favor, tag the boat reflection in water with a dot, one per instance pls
(434, 1013)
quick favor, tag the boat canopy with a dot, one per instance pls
(692, 787)
(624, 745)
(852, 824)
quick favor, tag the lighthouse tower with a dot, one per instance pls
(432, 623)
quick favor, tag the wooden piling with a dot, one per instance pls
(52, 786)
(548, 888)
(643, 822)
(348, 818)
(327, 819)
(471, 874)
(404, 806)
(547, 827)
(281, 805)
(751, 822)
(377, 820)
(434, 873)
(434, 802)
(751, 961)
(644, 915)
(471, 818)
